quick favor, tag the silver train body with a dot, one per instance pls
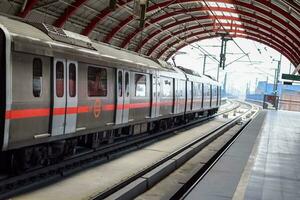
(56, 86)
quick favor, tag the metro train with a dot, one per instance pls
(60, 90)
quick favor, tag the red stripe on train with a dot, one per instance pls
(138, 105)
(111, 107)
(44, 112)
(59, 111)
(83, 109)
(28, 113)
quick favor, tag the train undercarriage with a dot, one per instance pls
(33, 157)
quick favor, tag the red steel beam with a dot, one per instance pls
(235, 2)
(198, 18)
(28, 7)
(273, 41)
(101, 16)
(256, 18)
(116, 29)
(238, 36)
(104, 13)
(70, 10)
(92, 25)
(261, 26)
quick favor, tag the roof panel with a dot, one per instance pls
(164, 18)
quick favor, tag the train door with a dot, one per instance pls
(206, 96)
(167, 96)
(219, 97)
(65, 99)
(123, 96)
(155, 96)
(176, 98)
(218, 94)
(72, 96)
(158, 95)
(188, 106)
(179, 96)
(210, 96)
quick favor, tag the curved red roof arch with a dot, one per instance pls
(251, 36)
(234, 2)
(70, 10)
(260, 26)
(178, 23)
(279, 40)
(260, 14)
(242, 13)
(27, 8)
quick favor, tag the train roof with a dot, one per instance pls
(60, 38)
(195, 76)
(66, 41)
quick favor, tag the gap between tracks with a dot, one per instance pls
(145, 179)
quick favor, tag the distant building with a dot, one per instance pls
(289, 95)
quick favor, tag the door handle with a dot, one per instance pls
(81, 129)
(41, 135)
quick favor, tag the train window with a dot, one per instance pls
(182, 88)
(189, 89)
(197, 89)
(140, 85)
(127, 84)
(60, 79)
(158, 88)
(217, 91)
(120, 80)
(37, 80)
(72, 80)
(207, 90)
(97, 82)
(167, 87)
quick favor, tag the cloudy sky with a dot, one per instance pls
(260, 65)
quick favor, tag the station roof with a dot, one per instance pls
(170, 24)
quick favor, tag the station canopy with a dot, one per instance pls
(158, 28)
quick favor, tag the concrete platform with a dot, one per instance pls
(263, 167)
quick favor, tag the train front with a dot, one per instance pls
(4, 61)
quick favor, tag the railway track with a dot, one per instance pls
(14, 185)
(134, 186)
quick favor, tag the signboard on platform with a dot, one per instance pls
(270, 101)
(291, 77)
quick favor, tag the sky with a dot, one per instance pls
(260, 66)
